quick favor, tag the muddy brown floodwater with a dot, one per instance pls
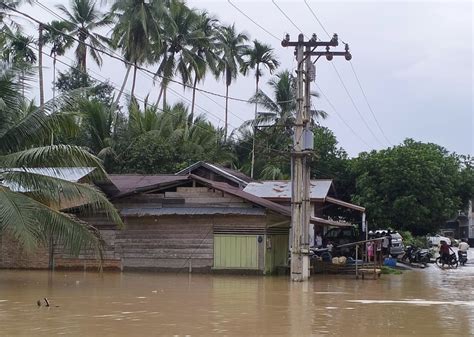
(432, 302)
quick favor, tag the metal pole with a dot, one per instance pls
(357, 256)
(297, 273)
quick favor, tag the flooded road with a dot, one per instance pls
(430, 302)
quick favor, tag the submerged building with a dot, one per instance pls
(205, 218)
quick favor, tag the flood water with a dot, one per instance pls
(430, 302)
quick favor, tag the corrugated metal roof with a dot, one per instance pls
(281, 189)
(231, 174)
(244, 195)
(73, 174)
(191, 211)
(131, 182)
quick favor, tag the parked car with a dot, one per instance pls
(397, 247)
(435, 240)
(340, 236)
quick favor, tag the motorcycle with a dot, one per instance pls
(322, 254)
(416, 255)
(462, 257)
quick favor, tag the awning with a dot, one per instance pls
(345, 204)
(321, 221)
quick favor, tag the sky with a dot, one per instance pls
(414, 60)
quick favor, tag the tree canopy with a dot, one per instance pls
(414, 186)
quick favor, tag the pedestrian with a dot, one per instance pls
(318, 240)
(378, 248)
(330, 246)
(385, 244)
(370, 251)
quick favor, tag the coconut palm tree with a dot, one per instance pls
(175, 53)
(204, 52)
(96, 120)
(282, 107)
(20, 53)
(30, 202)
(259, 55)
(278, 121)
(55, 36)
(137, 29)
(7, 15)
(141, 121)
(83, 19)
(231, 46)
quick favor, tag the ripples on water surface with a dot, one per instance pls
(418, 303)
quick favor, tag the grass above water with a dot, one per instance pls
(391, 271)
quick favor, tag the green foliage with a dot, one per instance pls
(74, 79)
(413, 186)
(168, 141)
(410, 240)
(33, 217)
(83, 19)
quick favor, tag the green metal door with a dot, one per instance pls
(235, 252)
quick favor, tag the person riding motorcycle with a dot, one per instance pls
(444, 251)
(462, 251)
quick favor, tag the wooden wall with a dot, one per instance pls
(166, 242)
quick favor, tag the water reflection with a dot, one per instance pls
(430, 302)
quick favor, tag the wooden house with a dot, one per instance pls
(202, 219)
(189, 223)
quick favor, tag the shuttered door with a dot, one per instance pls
(235, 252)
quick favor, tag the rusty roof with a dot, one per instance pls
(126, 183)
(152, 182)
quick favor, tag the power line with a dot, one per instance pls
(161, 110)
(257, 24)
(354, 104)
(333, 107)
(314, 15)
(368, 104)
(355, 75)
(122, 59)
(143, 100)
(149, 76)
(341, 118)
(287, 17)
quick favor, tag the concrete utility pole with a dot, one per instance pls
(303, 146)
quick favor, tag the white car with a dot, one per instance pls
(435, 240)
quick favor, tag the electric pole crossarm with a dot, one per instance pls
(313, 42)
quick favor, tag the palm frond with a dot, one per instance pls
(60, 194)
(29, 222)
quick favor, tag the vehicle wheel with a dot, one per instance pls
(439, 263)
(454, 264)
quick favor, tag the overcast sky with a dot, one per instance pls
(414, 60)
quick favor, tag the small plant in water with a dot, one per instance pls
(390, 270)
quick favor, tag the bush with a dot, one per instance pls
(410, 240)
